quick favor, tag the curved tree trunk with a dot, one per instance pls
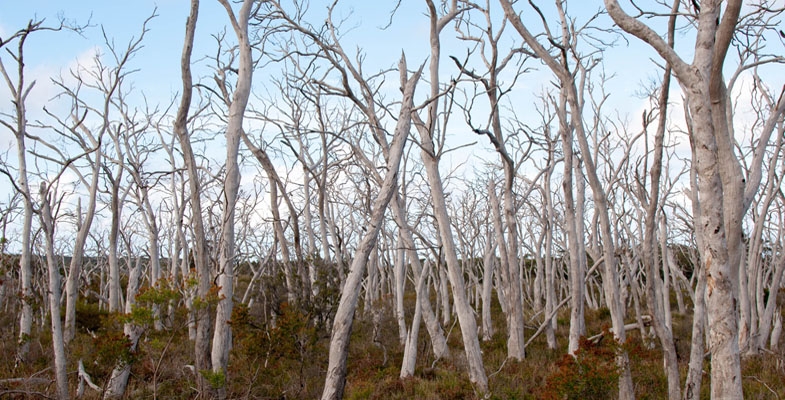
(222, 337)
(202, 314)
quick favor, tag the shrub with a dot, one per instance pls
(591, 374)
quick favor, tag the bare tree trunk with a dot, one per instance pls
(488, 262)
(410, 348)
(577, 273)
(776, 332)
(115, 200)
(47, 222)
(771, 304)
(444, 291)
(344, 317)
(692, 385)
(720, 222)
(549, 281)
(19, 91)
(659, 301)
(399, 273)
(431, 162)
(75, 268)
(222, 337)
(438, 341)
(25, 269)
(515, 338)
(202, 314)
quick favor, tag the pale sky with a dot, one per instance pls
(158, 77)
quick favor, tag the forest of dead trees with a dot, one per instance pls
(135, 250)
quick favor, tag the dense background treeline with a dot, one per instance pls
(479, 215)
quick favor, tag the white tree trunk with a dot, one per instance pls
(115, 201)
(488, 262)
(515, 338)
(47, 222)
(335, 380)
(201, 316)
(410, 348)
(776, 332)
(399, 273)
(438, 341)
(222, 336)
(75, 268)
(718, 226)
(549, 281)
(19, 91)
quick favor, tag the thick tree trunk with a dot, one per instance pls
(719, 225)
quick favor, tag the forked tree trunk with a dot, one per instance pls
(719, 225)
(411, 346)
(47, 222)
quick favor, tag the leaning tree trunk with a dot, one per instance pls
(344, 317)
(202, 314)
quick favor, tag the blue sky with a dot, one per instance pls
(157, 64)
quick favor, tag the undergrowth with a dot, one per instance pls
(280, 351)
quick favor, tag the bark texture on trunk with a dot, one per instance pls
(719, 225)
